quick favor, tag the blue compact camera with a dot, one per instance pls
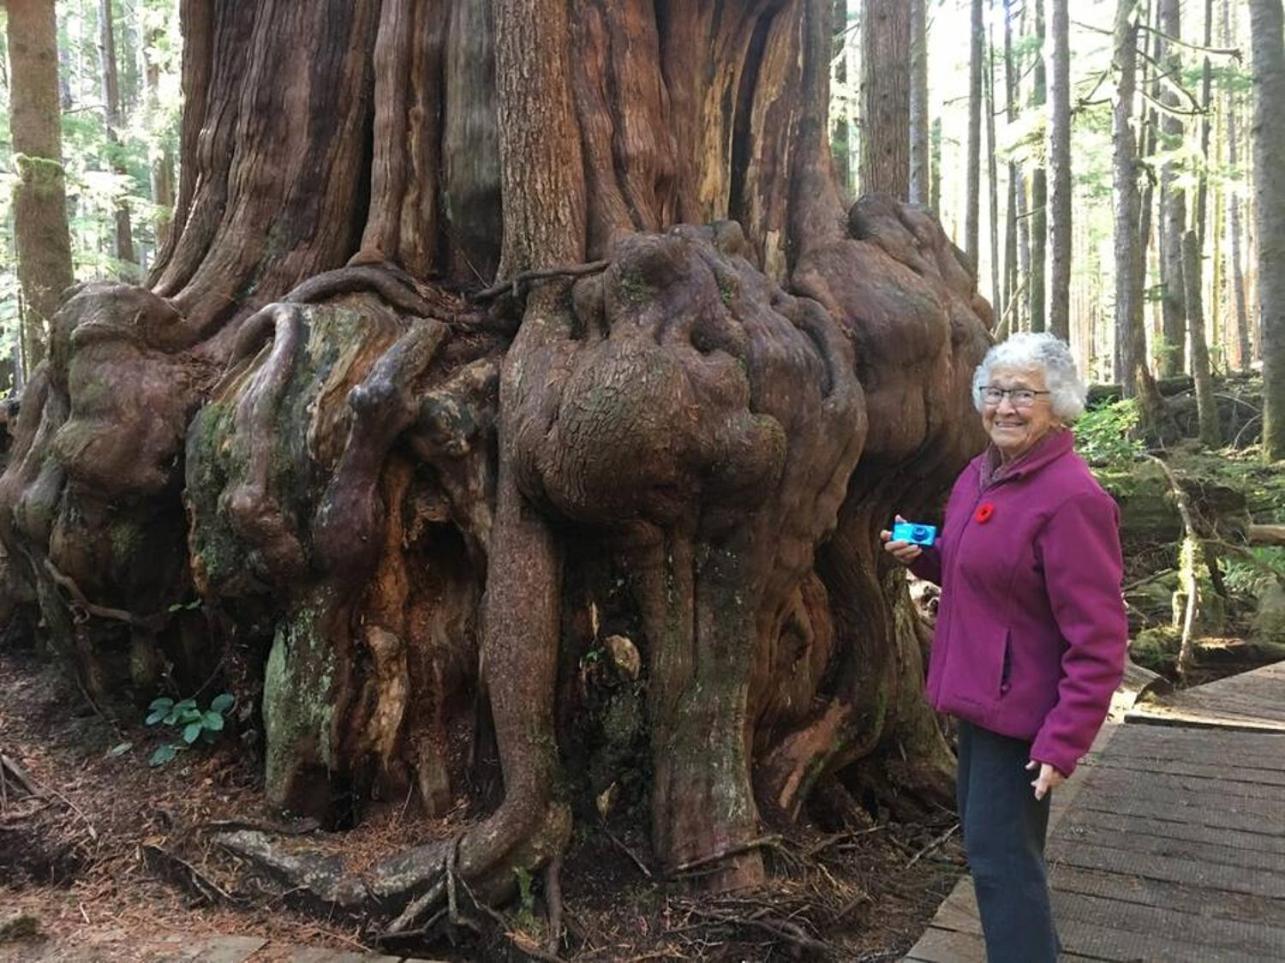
(914, 533)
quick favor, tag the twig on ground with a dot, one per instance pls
(932, 845)
(637, 860)
(180, 872)
(11, 771)
(769, 842)
(822, 845)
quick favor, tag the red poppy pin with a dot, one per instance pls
(984, 513)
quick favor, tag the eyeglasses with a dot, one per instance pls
(1020, 397)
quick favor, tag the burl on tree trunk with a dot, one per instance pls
(416, 515)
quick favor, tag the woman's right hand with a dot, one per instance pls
(903, 552)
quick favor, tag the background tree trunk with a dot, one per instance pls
(162, 165)
(40, 197)
(1244, 354)
(840, 129)
(885, 98)
(1173, 198)
(1206, 404)
(1265, 26)
(992, 176)
(623, 361)
(920, 137)
(1039, 191)
(123, 239)
(972, 184)
(1059, 147)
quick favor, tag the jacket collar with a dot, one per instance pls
(1048, 449)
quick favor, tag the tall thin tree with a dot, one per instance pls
(1039, 190)
(1206, 405)
(40, 195)
(1234, 226)
(972, 185)
(992, 174)
(840, 128)
(920, 133)
(1059, 151)
(1012, 299)
(1267, 25)
(885, 98)
(123, 237)
(1173, 197)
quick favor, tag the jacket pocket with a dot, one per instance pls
(1006, 664)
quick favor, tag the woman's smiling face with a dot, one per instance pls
(1013, 428)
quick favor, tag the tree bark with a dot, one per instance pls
(1125, 188)
(40, 197)
(972, 184)
(920, 135)
(885, 98)
(1036, 294)
(1173, 198)
(1266, 26)
(1059, 146)
(123, 236)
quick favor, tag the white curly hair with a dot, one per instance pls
(1044, 352)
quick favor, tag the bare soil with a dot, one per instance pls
(109, 857)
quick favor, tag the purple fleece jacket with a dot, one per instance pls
(1031, 629)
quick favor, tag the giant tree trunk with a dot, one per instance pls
(886, 53)
(1266, 25)
(40, 196)
(324, 418)
(1059, 144)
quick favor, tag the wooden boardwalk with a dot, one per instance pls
(1169, 843)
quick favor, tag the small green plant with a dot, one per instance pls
(188, 719)
(1107, 435)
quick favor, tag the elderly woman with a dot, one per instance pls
(1031, 629)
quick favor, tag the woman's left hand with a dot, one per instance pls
(1048, 778)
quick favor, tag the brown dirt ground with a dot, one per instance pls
(83, 859)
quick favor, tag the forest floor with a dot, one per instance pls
(112, 856)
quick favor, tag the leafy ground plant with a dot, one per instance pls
(187, 718)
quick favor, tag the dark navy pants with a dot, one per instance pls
(1004, 829)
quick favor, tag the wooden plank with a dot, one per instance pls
(1180, 897)
(1255, 940)
(947, 946)
(1159, 845)
(1215, 716)
(1272, 846)
(1109, 776)
(1203, 810)
(1175, 870)
(1107, 943)
(1266, 750)
(1200, 770)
